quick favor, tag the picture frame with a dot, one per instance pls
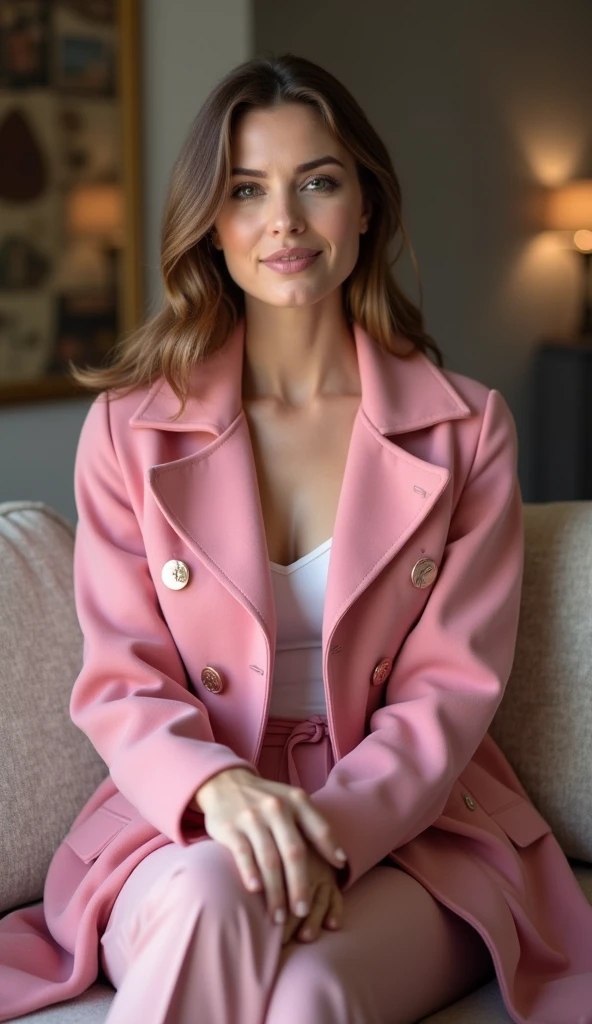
(70, 189)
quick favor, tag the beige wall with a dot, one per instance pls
(477, 100)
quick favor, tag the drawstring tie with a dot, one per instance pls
(288, 733)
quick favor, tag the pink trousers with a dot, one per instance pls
(186, 943)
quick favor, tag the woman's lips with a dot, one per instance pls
(292, 265)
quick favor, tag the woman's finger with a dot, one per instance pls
(291, 927)
(311, 927)
(270, 866)
(242, 851)
(334, 915)
(316, 827)
(294, 852)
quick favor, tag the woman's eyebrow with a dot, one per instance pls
(309, 166)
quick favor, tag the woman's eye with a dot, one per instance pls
(321, 183)
(329, 183)
(239, 188)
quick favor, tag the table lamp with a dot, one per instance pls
(569, 208)
(94, 229)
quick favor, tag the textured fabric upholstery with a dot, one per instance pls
(544, 724)
(40, 657)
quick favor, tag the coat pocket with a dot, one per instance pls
(516, 815)
(521, 822)
(89, 838)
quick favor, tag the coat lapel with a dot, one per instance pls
(211, 498)
(385, 495)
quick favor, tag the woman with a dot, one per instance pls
(298, 568)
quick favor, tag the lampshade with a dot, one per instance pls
(95, 210)
(569, 207)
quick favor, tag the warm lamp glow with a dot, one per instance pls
(583, 240)
(569, 206)
(96, 210)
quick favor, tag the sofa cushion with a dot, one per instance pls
(544, 723)
(48, 767)
(92, 1007)
(483, 1006)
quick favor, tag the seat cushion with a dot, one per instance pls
(544, 723)
(91, 1007)
(48, 767)
(484, 1006)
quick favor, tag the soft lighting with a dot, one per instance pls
(569, 207)
(583, 240)
(95, 210)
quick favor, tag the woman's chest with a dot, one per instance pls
(300, 460)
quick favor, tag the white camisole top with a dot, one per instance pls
(299, 590)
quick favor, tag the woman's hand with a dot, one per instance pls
(279, 841)
(327, 903)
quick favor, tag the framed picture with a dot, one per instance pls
(70, 189)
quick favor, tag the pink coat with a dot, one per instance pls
(431, 473)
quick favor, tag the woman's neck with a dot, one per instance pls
(295, 355)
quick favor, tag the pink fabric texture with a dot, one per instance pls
(184, 932)
(416, 778)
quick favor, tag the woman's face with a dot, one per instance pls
(275, 203)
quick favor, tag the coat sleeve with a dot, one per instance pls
(450, 673)
(131, 697)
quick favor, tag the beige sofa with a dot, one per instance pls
(48, 768)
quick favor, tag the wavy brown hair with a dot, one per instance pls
(202, 303)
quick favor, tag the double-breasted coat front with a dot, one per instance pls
(430, 473)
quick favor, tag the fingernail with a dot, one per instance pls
(332, 922)
(302, 908)
(341, 854)
(279, 916)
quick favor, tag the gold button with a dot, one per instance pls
(469, 801)
(175, 574)
(212, 679)
(424, 572)
(381, 671)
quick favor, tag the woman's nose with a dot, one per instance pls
(285, 214)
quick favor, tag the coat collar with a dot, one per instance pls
(399, 393)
